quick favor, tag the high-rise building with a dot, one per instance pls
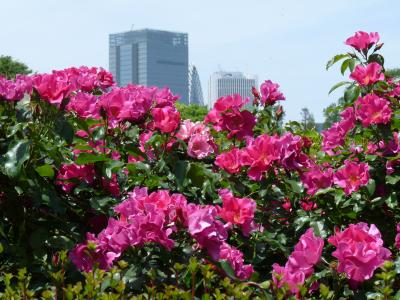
(228, 83)
(152, 58)
(195, 91)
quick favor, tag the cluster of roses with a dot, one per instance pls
(371, 109)
(359, 250)
(350, 177)
(153, 218)
(56, 86)
(262, 153)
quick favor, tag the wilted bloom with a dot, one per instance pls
(315, 179)
(235, 259)
(362, 40)
(360, 251)
(352, 176)
(270, 93)
(371, 109)
(166, 118)
(368, 75)
(230, 161)
(299, 266)
(238, 211)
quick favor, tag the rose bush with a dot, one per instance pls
(114, 176)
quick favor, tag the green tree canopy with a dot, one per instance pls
(10, 67)
(192, 112)
(307, 119)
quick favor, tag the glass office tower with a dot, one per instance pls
(152, 58)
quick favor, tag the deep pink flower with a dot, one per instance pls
(85, 105)
(368, 75)
(371, 109)
(299, 266)
(238, 211)
(14, 90)
(260, 154)
(292, 157)
(53, 87)
(315, 179)
(235, 259)
(352, 176)
(360, 251)
(166, 119)
(203, 226)
(71, 174)
(239, 124)
(85, 256)
(270, 93)
(230, 161)
(362, 40)
(222, 105)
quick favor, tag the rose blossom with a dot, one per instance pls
(166, 118)
(352, 176)
(372, 109)
(360, 251)
(362, 40)
(299, 266)
(238, 211)
(368, 75)
(270, 93)
(230, 161)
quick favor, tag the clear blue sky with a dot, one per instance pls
(288, 42)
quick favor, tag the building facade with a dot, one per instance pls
(228, 83)
(195, 91)
(151, 58)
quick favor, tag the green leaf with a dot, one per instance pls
(392, 179)
(335, 59)
(296, 186)
(17, 154)
(338, 85)
(64, 129)
(45, 171)
(181, 169)
(351, 94)
(89, 158)
(344, 66)
(227, 268)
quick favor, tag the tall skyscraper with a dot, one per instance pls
(228, 83)
(152, 58)
(195, 91)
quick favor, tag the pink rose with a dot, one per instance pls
(270, 93)
(352, 176)
(368, 75)
(166, 118)
(315, 179)
(230, 161)
(360, 251)
(200, 146)
(372, 109)
(362, 40)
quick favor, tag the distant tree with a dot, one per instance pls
(307, 119)
(192, 112)
(10, 67)
(332, 115)
(393, 73)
